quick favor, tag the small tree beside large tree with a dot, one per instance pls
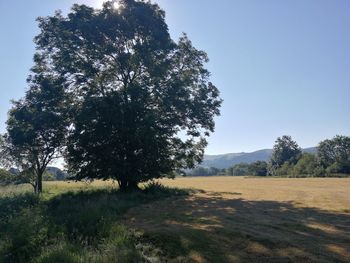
(36, 126)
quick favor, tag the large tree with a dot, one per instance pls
(143, 105)
(284, 151)
(36, 126)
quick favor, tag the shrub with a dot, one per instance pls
(6, 177)
(307, 165)
(24, 236)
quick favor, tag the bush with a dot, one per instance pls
(62, 253)
(241, 169)
(319, 172)
(24, 235)
(157, 190)
(285, 170)
(339, 167)
(258, 168)
(6, 177)
(307, 165)
(11, 205)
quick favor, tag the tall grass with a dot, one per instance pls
(72, 224)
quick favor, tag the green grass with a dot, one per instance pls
(181, 246)
(74, 225)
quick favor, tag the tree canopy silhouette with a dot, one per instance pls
(143, 103)
(285, 151)
(36, 126)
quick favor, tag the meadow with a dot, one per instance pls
(199, 219)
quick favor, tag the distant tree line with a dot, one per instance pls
(332, 158)
(258, 168)
(204, 171)
(287, 159)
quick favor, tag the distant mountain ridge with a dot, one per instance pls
(57, 173)
(226, 160)
(220, 161)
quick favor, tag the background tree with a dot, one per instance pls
(334, 154)
(229, 171)
(241, 169)
(284, 170)
(284, 150)
(258, 168)
(135, 91)
(3, 159)
(5, 177)
(57, 174)
(306, 165)
(27, 176)
(36, 126)
(205, 171)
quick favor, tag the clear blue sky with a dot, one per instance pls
(283, 67)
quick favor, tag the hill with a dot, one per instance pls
(57, 173)
(226, 160)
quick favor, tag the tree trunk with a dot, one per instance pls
(123, 185)
(132, 186)
(34, 186)
(128, 186)
(39, 183)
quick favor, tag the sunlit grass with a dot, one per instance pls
(232, 219)
(51, 189)
(15, 189)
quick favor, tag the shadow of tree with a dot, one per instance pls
(217, 228)
(86, 217)
(77, 226)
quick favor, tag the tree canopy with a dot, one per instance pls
(335, 154)
(284, 150)
(143, 103)
(36, 126)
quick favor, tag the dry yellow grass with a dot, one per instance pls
(323, 193)
(57, 187)
(237, 219)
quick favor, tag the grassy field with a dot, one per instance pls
(228, 219)
(320, 193)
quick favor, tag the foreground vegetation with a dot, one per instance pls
(79, 223)
(231, 219)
